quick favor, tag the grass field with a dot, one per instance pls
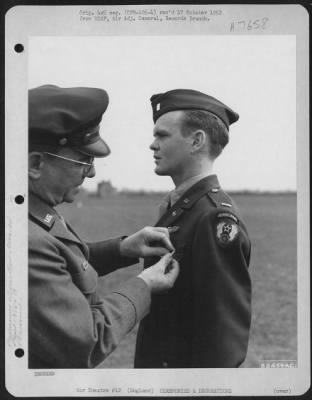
(271, 221)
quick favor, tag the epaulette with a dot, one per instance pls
(219, 198)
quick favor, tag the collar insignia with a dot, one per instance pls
(48, 218)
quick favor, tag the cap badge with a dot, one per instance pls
(63, 141)
(157, 106)
(226, 233)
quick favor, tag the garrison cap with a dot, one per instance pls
(68, 117)
(187, 99)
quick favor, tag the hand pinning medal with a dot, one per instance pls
(170, 265)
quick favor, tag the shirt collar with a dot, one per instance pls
(178, 192)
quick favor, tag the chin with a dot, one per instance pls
(160, 172)
(70, 197)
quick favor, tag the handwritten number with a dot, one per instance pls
(249, 25)
(264, 22)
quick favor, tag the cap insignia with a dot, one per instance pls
(63, 141)
(157, 106)
(88, 137)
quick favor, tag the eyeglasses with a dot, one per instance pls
(87, 165)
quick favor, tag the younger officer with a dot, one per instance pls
(70, 324)
(204, 321)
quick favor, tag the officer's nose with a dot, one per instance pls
(154, 146)
(91, 172)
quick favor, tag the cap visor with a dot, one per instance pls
(96, 149)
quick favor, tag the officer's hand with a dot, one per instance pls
(162, 275)
(149, 241)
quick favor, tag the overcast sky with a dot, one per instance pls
(254, 75)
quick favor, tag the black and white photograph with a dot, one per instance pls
(157, 200)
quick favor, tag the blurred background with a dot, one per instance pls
(254, 75)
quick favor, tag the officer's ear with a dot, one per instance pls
(199, 139)
(35, 164)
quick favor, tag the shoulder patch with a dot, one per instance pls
(226, 232)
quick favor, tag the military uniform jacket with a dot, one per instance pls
(204, 320)
(70, 325)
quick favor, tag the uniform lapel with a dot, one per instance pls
(187, 200)
(60, 231)
(47, 217)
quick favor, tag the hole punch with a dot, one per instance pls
(19, 353)
(19, 48)
(19, 199)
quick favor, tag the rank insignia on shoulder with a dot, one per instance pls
(226, 232)
(226, 205)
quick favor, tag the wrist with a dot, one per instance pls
(145, 278)
(123, 246)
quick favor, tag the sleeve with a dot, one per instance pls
(69, 328)
(222, 293)
(105, 256)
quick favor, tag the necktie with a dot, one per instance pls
(165, 205)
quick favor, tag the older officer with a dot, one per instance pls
(204, 321)
(70, 325)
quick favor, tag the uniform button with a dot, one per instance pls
(165, 364)
(186, 201)
(174, 213)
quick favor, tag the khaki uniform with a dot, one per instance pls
(204, 320)
(70, 325)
